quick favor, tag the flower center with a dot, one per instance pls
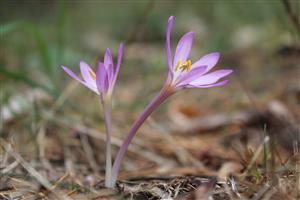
(92, 74)
(183, 66)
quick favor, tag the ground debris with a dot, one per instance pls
(162, 188)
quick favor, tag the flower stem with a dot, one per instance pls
(107, 118)
(164, 93)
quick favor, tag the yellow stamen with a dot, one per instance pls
(183, 66)
(92, 74)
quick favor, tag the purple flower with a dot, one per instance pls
(185, 74)
(182, 74)
(103, 81)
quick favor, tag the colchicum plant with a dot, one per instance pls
(102, 83)
(182, 74)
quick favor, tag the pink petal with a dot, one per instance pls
(183, 47)
(108, 58)
(222, 83)
(86, 73)
(168, 42)
(211, 78)
(120, 54)
(108, 63)
(102, 79)
(195, 73)
(210, 60)
(110, 73)
(73, 75)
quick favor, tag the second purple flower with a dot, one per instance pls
(182, 73)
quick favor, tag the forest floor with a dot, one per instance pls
(240, 141)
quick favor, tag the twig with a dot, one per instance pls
(60, 180)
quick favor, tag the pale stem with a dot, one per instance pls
(107, 118)
(164, 93)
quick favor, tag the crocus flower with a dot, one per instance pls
(181, 74)
(102, 83)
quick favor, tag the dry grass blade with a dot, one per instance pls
(203, 192)
(89, 152)
(261, 192)
(18, 104)
(82, 129)
(211, 122)
(41, 141)
(297, 166)
(182, 154)
(42, 180)
(256, 154)
(10, 167)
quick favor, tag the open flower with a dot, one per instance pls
(103, 81)
(185, 74)
(182, 74)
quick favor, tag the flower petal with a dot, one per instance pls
(110, 73)
(108, 58)
(120, 55)
(87, 73)
(183, 47)
(210, 60)
(168, 42)
(222, 83)
(211, 78)
(73, 75)
(195, 73)
(108, 63)
(102, 79)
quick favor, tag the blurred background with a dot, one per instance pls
(53, 121)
